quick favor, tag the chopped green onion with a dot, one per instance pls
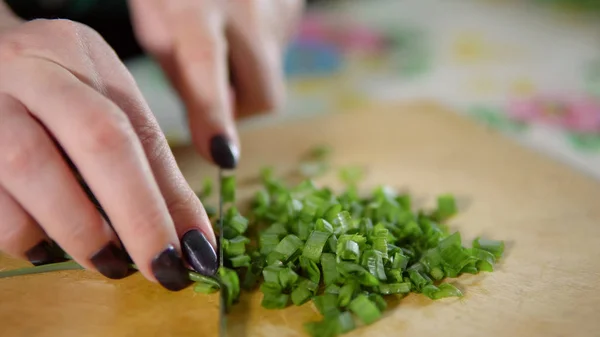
(345, 322)
(271, 288)
(240, 261)
(314, 245)
(310, 269)
(447, 290)
(351, 175)
(228, 186)
(205, 288)
(326, 304)
(394, 288)
(229, 283)
(239, 223)
(332, 289)
(287, 278)
(494, 247)
(418, 279)
(366, 310)
(268, 242)
(289, 246)
(271, 274)
(446, 207)
(430, 291)
(323, 226)
(355, 271)
(329, 266)
(378, 300)
(235, 246)
(347, 293)
(275, 301)
(206, 191)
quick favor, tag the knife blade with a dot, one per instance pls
(223, 292)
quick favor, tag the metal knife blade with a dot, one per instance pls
(223, 292)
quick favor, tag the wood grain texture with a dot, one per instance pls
(549, 215)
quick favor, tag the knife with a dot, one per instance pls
(223, 292)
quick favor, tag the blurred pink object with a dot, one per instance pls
(581, 114)
(344, 34)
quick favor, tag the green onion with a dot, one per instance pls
(366, 310)
(235, 246)
(347, 292)
(346, 252)
(394, 288)
(231, 284)
(326, 304)
(354, 271)
(206, 191)
(205, 288)
(310, 269)
(329, 266)
(287, 278)
(275, 301)
(240, 261)
(323, 226)
(304, 291)
(332, 289)
(447, 290)
(289, 246)
(378, 300)
(228, 186)
(494, 247)
(446, 207)
(314, 245)
(271, 274)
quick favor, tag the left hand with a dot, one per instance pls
(202, 45)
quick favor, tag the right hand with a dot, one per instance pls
(61, 82)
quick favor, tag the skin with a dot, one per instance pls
(60, 79)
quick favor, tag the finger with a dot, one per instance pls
(255, 56)
(191, 222)
(21, 237)
(111, 160)
(33, 172)
(200, 57)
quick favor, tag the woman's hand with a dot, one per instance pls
(224, 57)
(60, 83)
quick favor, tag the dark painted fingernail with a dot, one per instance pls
(169, 270)
(223, 152)
(111, 262)
(199, 253)
(43, 253)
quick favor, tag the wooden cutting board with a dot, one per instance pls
(547, 284)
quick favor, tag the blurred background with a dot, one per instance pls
(529, 68)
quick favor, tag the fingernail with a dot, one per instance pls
(169, 270)
(199, 253)
(42, 253)
(223, 152)
(111, 262)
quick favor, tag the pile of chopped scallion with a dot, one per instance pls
(343, 252)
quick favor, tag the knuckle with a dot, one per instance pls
(153, 141)
(146, 224)
(10, 49)
(24, 153)
(108, 132)
(11, 236)
(66, 28)
(83, 232)
(181, 201)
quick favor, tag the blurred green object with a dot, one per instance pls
(593, 5)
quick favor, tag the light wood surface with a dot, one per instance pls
(547, 284)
